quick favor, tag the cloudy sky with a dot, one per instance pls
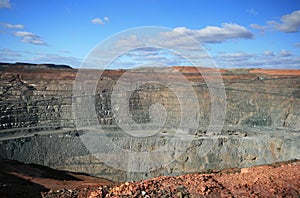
(235, 33)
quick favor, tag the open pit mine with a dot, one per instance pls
(41, 124)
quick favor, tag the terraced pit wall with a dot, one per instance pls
(37, 123)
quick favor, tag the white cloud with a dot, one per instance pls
(97, 21)
(5, 4)
(212, 34)
(252, 11)
(28, 37)
(9, 55)
(64, 51)
(282, 60)
(297, 44)
(288, 23)
(285, 53)
(269, 53)
(185, 42)
(153, 56)
(8, 25)
(259, 27)
(239, 56)
(106, 19)
(130, 42)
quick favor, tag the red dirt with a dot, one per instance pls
(264, 181)
(276, 72)
(277, 180)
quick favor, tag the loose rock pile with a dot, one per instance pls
(279, 180)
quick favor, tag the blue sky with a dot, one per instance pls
(235, 33)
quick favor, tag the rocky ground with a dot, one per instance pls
(277, 180)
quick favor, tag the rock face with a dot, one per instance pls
(38, 123)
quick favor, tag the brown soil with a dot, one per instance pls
(30, 180)
(277, 180)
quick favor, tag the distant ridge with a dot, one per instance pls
(20, 65)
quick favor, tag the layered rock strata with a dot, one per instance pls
(38, 124)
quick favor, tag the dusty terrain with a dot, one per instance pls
(30, 180)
